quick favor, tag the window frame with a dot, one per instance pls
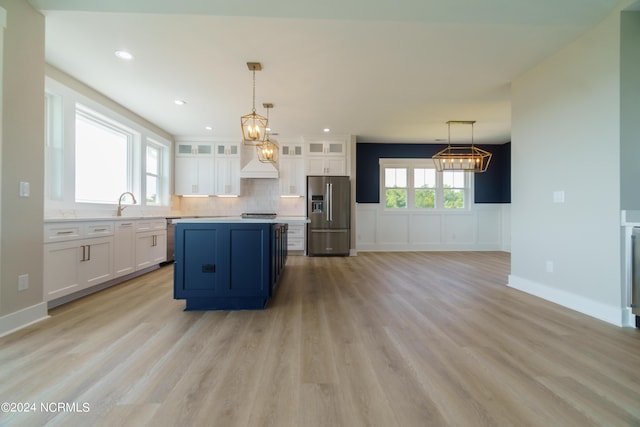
(422, 163)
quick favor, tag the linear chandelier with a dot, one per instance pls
(254, 126)
(268, 151)
(468, 158)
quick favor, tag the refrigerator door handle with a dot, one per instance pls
(328, 202)
(331, 202)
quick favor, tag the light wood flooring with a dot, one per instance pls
(381, 339)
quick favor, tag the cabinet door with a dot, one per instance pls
(97, 264)
(315, 166)
(194, 176)
(61, 269)
(292, 177)
(228, 176)
(248, 243)
(291, 150)
(335, 166)
(200, 265)
(159, 248)
(186, 180)
(124, 249)
(334, 148)
(316, 148)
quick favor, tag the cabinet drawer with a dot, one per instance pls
(295, 244)
(96, 229)
(62, 232)
(151, 224)
(296, 231)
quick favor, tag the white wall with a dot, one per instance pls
(566, 137)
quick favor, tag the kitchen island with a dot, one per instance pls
(228, 263)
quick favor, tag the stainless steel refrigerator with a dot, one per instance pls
(328, 209)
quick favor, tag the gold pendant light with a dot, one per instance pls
(268, 151)
(254, 126)
(463, 157)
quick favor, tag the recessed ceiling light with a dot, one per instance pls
(179, 102)
(326, 130)
(208, 128)
(123, 54)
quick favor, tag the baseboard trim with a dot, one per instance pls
(606, 313)
(22, 318)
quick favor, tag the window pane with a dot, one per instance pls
(424, 178)
(395, 177)
(453, 179)
(453, 199)
(152, 160)
(152, 189)
(101, 161)
(425, 198)
(396, 198)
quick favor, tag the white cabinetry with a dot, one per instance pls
(295, 238)
(227, 164)
(76, 256)
(326, 158)
(124, 248)
(292, 173)
(194, 169)
(151, 242)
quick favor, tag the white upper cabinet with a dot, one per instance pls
(326, 158)
(194, 169)
(227, 163)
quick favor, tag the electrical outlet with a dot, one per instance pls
(23, 282)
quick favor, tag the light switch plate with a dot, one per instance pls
(558, 196)
(25, 190)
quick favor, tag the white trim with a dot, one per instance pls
(607, 313)
(22, 318)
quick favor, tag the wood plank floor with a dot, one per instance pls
(381, 339)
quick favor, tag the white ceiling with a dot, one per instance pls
(383, 70)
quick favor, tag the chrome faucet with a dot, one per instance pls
(120, 207)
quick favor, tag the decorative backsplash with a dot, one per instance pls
(257, 195)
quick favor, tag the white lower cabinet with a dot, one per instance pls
(295, 237)
(124, 248)
(75, 265)
(151, 242)
(79, 255)
(151, 248)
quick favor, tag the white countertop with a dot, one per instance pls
(102, 218)
(237, 219)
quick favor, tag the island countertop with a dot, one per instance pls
(237, 219)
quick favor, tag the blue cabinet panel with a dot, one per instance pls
(249, 261)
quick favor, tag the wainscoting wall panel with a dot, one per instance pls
(483, 227)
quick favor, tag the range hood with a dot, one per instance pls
(257, 169)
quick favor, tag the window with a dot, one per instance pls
(454, 189)
(103, 161)
(395, 183)
(415, 184)
(54, 147)
(424, 185)
(153, 165)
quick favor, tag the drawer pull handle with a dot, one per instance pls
(65, 232)
(99, 229)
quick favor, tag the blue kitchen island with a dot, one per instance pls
(228, 263)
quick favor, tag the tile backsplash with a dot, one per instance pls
(257, 195)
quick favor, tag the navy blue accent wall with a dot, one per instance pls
(492, 186)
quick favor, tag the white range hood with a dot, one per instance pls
(257, 169)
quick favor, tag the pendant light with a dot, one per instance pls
(254, 126)
(463, 157)
(268, 151)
